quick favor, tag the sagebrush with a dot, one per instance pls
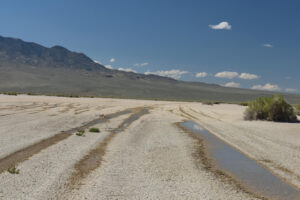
(94, 130)
(273, 108)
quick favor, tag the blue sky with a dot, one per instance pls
(256, 46)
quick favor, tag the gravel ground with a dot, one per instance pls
(274, 145)
(42, 175)
(151, 159)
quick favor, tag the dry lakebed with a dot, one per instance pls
(143, 150)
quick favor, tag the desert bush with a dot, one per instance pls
(80, 133)
(273, 108)
(11, 93)
(94, 130)
(243, 104)
(208, 103)
(13, 170)
(298, 109)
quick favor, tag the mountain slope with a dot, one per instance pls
(28, 67)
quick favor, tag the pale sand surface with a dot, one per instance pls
(151, 159)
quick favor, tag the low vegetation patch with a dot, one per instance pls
(13, 170)
(94, 130)
(243, 104)
(273, 108)
(10, 93)
(211, 102)
(298, 109)
(80, 133)
(208, 103)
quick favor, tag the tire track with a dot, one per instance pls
(21, 155)
(95, 157)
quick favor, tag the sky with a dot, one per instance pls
(248, 44)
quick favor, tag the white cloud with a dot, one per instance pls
(127, 70)
(174, 73)
(201, 75)
(248, 76)
(226, 74)
(112, 60)
(96, 61)
(232, 84)
(141, 64)
(268, 45)
(267, 86)
(290, 90)
(221, 26)
(108, 66)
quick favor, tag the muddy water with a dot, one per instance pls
(248, 172)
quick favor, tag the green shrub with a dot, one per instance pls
(270, 108)
(94, 130)
(11, 93)
(298, 109)
(243, 104)
(80, 133)
(208, 103)
(13, 170)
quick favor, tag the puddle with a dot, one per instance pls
(248, 172)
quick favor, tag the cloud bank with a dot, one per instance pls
(174, 73)
(127, 70)
(268, 45)
(96, 61)
(268, 87)
(248, 76)
(141, 64)
(221, 26)
(226, 74)
(232, 84)
(201, 75)
(108, 67)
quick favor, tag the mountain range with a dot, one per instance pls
(27, 67)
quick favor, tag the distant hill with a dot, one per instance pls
(28, 67)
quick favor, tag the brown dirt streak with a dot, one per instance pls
(94, 158)
(190, 116)
(21, 155)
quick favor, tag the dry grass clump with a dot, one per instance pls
(273, 108)
(210, 103)
(243, 103)
(80, 133)
(298, 109)
(10, 93)
(13, 170)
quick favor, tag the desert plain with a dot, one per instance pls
(140, 152)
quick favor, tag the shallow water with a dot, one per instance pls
(248, 172)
